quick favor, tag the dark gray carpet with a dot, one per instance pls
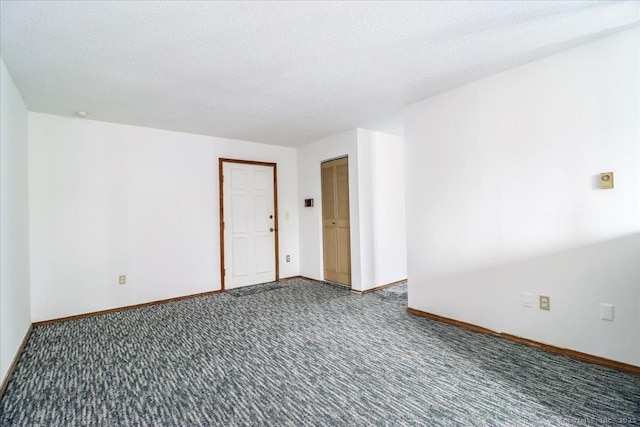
(299, 353)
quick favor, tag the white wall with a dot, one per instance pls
(310, 157)
(376, 203)
(109, 199)
(15, 310)
(502, 199)
(382, 208)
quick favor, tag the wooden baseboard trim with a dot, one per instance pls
(125, 308)
(584, 357)
(286, 279)
(325, 282)
(310, 279)
(469, 326)
(378, 288)
(16, 359)
(368, 291)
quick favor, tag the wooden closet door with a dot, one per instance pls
(335, 221)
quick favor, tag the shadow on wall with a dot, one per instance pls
(578, 281)
(606, 249)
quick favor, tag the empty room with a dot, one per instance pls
(345, 213)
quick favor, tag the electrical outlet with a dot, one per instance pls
(606, 311)
(606, 180)
(545, 302)
(122, 279)
(288, 258)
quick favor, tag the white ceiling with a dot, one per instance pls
(277, 72)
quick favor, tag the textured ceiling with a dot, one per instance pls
(278, 72)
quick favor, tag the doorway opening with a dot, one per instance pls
(336, 229)
(248, 223)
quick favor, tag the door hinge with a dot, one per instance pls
(224, 271)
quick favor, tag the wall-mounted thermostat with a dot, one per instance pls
(606, 180)
(308, 203)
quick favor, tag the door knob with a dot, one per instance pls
(271, 230)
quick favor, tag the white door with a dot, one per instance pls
(249, 224)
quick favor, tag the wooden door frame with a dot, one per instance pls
(322, 162)
(221, 162)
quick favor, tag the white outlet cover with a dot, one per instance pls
(606, 311)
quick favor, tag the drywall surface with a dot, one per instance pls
(109, 199)
(383, 245)
(503, 198)
(376, 204)
(15, 309)
(310, 157)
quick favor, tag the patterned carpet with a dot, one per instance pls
(299, 353)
